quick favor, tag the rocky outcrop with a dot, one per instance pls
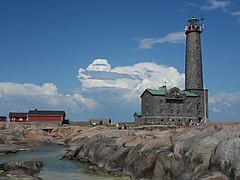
(210, 151)
(11, 138)
(8, 149)
(20, 133)
(20, 170)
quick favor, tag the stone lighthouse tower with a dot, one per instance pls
(193, 67)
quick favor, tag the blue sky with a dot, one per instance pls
(94, 58)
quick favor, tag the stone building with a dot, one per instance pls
(100, 121)
(175, 106)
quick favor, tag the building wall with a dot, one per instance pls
(160, 110)
(202, 104)
(100, 121)
(18, 119)
(150, 105)
(45, 118)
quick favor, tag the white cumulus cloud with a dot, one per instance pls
(131, 80)
(175, 37)
(27, 89)
(216, 4)
(99, 65)
(18, 96)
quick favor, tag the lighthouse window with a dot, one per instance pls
(196, 40)
(197, 48)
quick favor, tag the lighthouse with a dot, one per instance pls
(175, 106)
(193, 66)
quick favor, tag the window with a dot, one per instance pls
(161, 111)
(172, 111)
(178, 112)
(20, 119)
(199, 105)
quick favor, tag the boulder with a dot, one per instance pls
(227, 158)
(215, 176)
(20, 170)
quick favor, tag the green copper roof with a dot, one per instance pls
(193, 19)
(138, 114)
(160, 91)
(190, 94)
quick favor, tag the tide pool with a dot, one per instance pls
(56, 168)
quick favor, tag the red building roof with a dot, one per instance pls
(17, 115)
(46, 113)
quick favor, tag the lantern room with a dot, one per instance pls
(193, 25)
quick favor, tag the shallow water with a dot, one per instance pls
(56, 168)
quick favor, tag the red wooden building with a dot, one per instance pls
(46, 116)
(17, 116)
(3, 119)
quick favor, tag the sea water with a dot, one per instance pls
(56, 168)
